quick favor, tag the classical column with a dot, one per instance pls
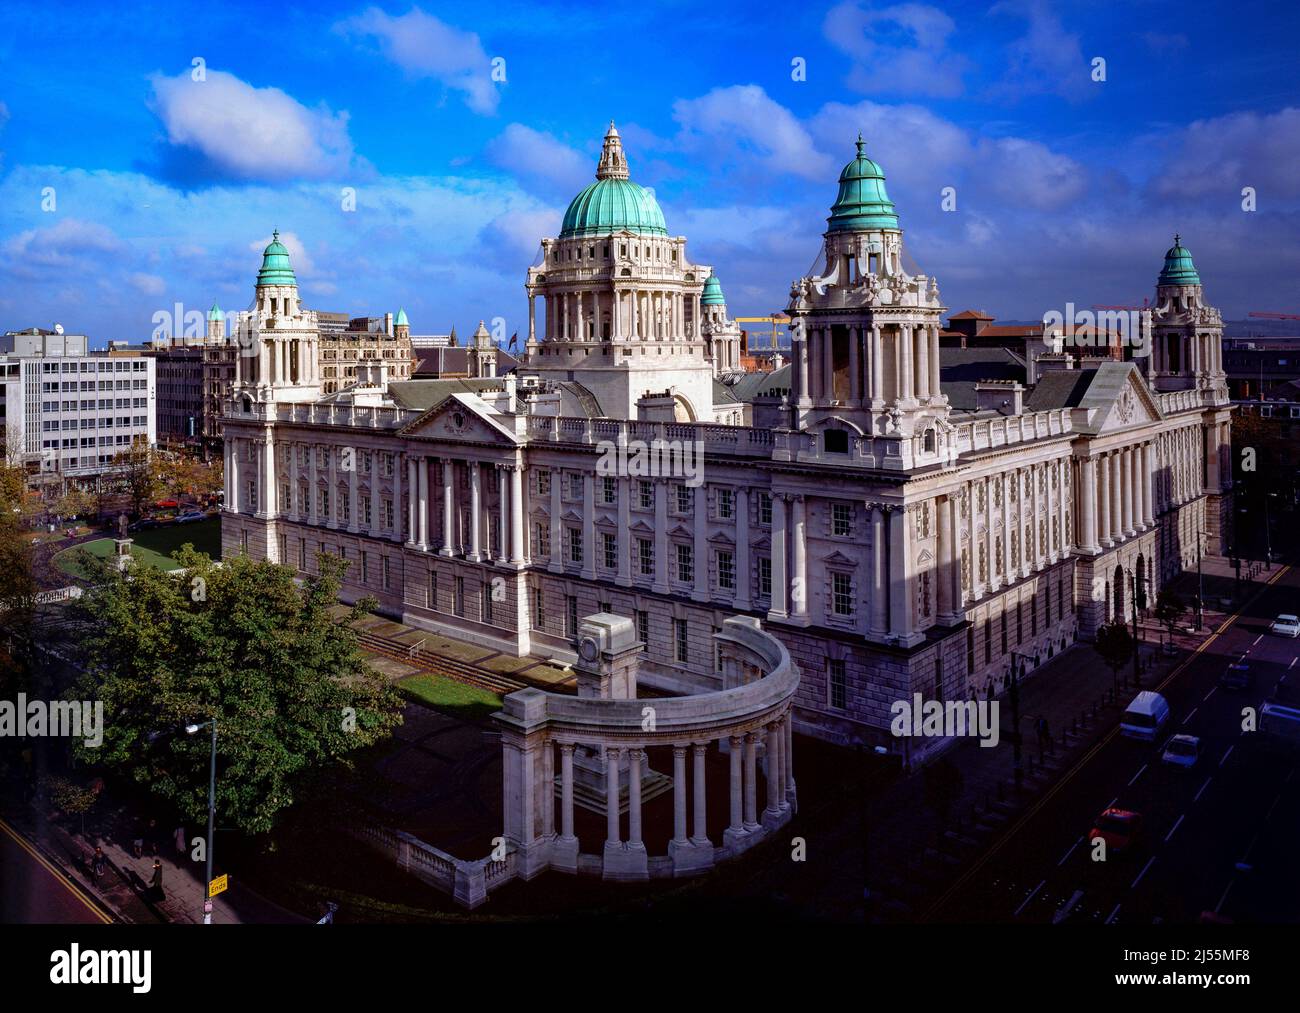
(503, 513)
(800, 351)
(799, 562)
(737, 784)
(397, 497)
(787, 757)
(855, 369)
(1037, 479)
(679, 795)
(547, 791)
(1006, 527)
(773, 771)
(1103, 500)
(518, 547)
(936, 388)
(476, 553)
(556, 564)
(269, 485)
(635, 757)
(905, 370)
(612, 837)
(700, 551)
(990, 546)
(354, 494)
(589, 526)
(449, 531)
(828, 363)
(566, 791)
(700, 836)
(751, 774)
(780, 586)
(1126, 492)
(532, 316)
(900, 589)
(232, 475)
(661, 536)
(1088, 506)
(742, 549)
(879, 574)
(420, 523)
(624, 534)
(943, 602)
(1116, 498)
(412, 505)
(877, 367)
(295, 499)
(922, 339)
(1148, 480)
(332, 520)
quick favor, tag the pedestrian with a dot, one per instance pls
(98, 864)
(152, 837)
(156, 883)
(137, 842)
(179, 837)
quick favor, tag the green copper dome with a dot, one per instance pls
(712, 292)
(1178, 269)
(401, 320)
(275, 264)
(613, 203)
(862, 202)
(215, 313)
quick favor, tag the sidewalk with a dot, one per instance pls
(915, 851)
(124, 888)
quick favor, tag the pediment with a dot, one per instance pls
(460, 418)
(1132, 405)
(838, 558)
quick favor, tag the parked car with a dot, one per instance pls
(1286, 625)
(1238, 675)
(143, 524)
(1119, 828)
(189, 516)
(167, 504)
(1145, 716)
(1182, 751)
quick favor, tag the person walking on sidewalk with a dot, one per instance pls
(179, 837)
(97, 864)
(156, 883)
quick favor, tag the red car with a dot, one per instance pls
(1119, 828)
(167, 504)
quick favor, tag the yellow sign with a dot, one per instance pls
(217, 886)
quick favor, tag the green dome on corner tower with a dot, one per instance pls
(1178, 269)
(712, 295)
(613, 203)
(862, 202)
(275, 264)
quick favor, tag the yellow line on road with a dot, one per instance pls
(1083, 760)
(56, 871)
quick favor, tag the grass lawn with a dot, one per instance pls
(449, 696)
(152, 547)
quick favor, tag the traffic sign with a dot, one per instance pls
(218, 885)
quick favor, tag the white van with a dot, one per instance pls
(1145, 716)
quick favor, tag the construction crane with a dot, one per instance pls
(776, 320)
(1274, 316)
(1146, 305)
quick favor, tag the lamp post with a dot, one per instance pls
(1200, 585)
(193, 729)
(1013, 698)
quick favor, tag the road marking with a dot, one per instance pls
(1258, 639)
(1176, 825)
(1227, 754)
(1209, 694)
(1083, 761)
(1225, 894)
(1111, 917)
(1273, 807)
(1189, 716)
(1028, 899)
(1069, 853)
(1293, 661)
(59, 875)
(1063, 912)
(1202, 791)
(1112, 802)
(1135, 777)
(1150, 862)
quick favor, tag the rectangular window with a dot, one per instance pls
(988, 641)
(842, 594)
(645, 551)
(571, 616)
(460, 596)
(764, 509)
(541, 540)
(726, 571)
(647, 493)
(609, 489)
(543, 483)
(388, 514)
(765, 576)
(680, 640)
(837, 683)
(685, 499)
(685, 563)
(970, 648)
(574, 537)
(841, 519)
(431, 592)
(575, 485)
(485, 608)
(539, 609)
(610, 542)
(643, 627)
(302, 554)
(726, 504)
(365, 566)
(1020, 623)
(1004, 632)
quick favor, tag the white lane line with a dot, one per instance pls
(1028, 899)
(1189, 716)
(1069, 853)
(1258, 639)
(1111, 803)
(1292, 665)
(1209, 694)
(1111, 917)
(1226, 755)
(1202, 791)
(1272, 807)
(1150, 862)
(1177, 823)
(1063, 912)
(1135, 777)
(1225, 894)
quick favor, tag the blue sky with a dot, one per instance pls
(1068, 189)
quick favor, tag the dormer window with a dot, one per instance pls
(836, 441)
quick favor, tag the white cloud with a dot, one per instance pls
(1047, 58)
(743, 123)
(523, 151)
(425, 46)
(1215, 158)
(250, 133)
(901, 48)
(149, 284)
(59, 246)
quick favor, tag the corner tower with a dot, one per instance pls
(623, 315)
(865, 333)
(1187, 333)
(278, 341)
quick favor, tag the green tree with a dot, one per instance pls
(70, 797)
(74, 503)
(137, 468)
(291, 691)
(1115, 644)
(17, 582)
(1169, 608)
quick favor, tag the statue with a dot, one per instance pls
(121, 525)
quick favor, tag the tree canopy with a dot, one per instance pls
(240, 641)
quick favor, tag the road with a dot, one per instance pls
(36, 892)
(1217, 838)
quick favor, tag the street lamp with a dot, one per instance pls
(1013, 698)
(194, 729)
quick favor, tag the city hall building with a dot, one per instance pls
(896, 536)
